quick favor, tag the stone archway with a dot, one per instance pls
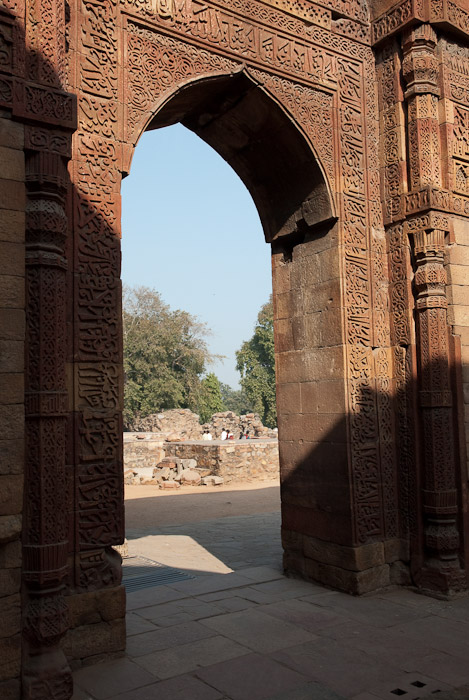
(365, 203)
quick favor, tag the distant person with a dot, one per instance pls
(207, 435)
(230, 435)
(223, 434)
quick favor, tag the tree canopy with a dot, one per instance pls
(235, 400)
(165, 355)
(211, 400)
(256, 363)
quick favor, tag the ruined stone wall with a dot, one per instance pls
(12, 325)
(143, 449)
(234, 460)
(181, 421)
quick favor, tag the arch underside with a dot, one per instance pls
(262, 143)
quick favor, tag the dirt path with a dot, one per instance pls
(149, 506)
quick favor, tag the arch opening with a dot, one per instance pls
(261, 142)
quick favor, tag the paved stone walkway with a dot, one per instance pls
(252, 634)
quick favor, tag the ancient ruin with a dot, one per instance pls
(348, 121)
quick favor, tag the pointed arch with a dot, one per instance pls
(246, 125)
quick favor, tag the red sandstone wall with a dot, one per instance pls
(12, 324)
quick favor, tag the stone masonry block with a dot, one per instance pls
(463, 332)
(457, 255)
(12, 421)
(325, 363)
(10, 615)
(458, 315)
(96, 606)
(11, 689)
(352, 558)
(457, 274)
(11, 356)
(11, 292)
(90, 640)
(12, 324)
(396, 549)
(12, 225)
(291, 367)
(10, 555)
(10, 528)
(11, 456)
(309, 397)
(322, 296)
(11, 494)
(12, 389)
(12, 195)
(283, 335)
(11, 163)
(289, 398)
(11, 134)
(12, 257)
(353, 582)
(10, 657)
(461, 231)
(10, 581)
(458, 294)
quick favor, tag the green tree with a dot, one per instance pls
(255, 360)
(235, 400)
(211, 400)
(165, 355)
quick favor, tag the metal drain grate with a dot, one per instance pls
(409, 687)
(140, 572)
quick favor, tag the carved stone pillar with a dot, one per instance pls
(45, 619)
(441, 571)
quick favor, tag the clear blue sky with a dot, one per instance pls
(191, 231)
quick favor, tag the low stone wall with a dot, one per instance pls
(234, 460)
(143, 449)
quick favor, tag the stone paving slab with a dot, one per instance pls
(257, 631)
(182, 688)
(254, 634)
(120, 675)
(252, 677)
(189, 657)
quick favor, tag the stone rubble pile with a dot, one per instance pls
(178, 421)
(250, 424)
(182, 424)
(172, 473)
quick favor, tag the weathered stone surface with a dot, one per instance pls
(10, 555)
(182, 421)
(353, 558)
(11, 494)
(212, 480)
(10, 615)
(350, 133)
(10, 527)
(10, 690)
(90, 640)
(11, 456)
(10, 581)
(233, 460)
(10, 656)
(96, 606)
(190, 476)
(170, 485)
